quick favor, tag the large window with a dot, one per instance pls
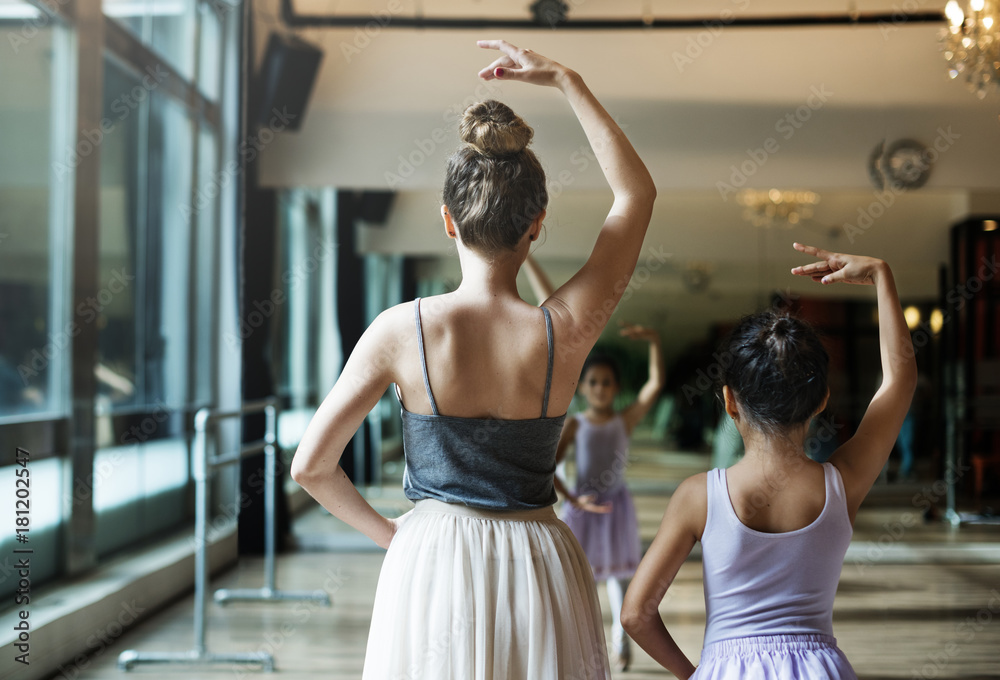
(36, 181)
(160, 231)
(36, 330)
(146, 178)
(101, 389)
(144, 345)
(167, 26)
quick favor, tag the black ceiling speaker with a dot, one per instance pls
(549, 13)
(285, 81)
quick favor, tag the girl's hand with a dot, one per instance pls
(588, 503)
(834, 267)
(521, 64)
(637, 332)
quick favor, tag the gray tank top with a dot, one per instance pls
(487, 463)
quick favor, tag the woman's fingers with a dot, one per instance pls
(502, 45)
(488, 73)
(505, 73)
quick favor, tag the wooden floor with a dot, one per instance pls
(923, 611)
(892, 621)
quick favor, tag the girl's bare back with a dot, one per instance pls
(777, 501)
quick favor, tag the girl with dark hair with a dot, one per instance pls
(481, 580)
(775, 526)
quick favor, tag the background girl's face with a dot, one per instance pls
(599, 387)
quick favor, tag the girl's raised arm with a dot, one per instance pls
(596, 289)
(861, 459)
(650, 392)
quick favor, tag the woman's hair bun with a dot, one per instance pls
(492, 129)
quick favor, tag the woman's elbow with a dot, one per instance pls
(301, 470)
(643, 193)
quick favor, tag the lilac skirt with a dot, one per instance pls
(775, 657)
(610, 541)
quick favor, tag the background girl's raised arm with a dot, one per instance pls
(650, 391)
(539, 280)
(861, 459)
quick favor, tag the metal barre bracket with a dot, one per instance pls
(129, 658)
(203, 465)
(224, 596)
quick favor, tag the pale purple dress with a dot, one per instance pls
(769, 597)
(611, 541)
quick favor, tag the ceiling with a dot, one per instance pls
(693, 101)
(696, 103)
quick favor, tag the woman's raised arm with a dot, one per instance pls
(596, 289)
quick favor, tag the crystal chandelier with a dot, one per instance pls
(776, 207)
(971, 44)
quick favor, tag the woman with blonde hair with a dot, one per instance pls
(481, 580)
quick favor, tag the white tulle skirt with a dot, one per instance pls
(466, 594)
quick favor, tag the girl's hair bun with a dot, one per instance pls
(776, 367)
(492, 129)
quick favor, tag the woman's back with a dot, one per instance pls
(490, 462)
(485, 359)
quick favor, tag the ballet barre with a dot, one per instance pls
(269, 592)
(203, 466)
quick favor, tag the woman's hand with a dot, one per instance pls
(392, 525)
(838, 267)
(588, 503)
(521, 64)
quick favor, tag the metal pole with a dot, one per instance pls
(270, 509)
(951, 433)
(200, 527)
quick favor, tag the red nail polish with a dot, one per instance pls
(499, 72)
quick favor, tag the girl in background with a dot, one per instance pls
(599, 509)
(776, 525)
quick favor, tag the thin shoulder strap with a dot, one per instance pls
(423, 357)
(835, 492)
(548, 370)
(714, 485)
